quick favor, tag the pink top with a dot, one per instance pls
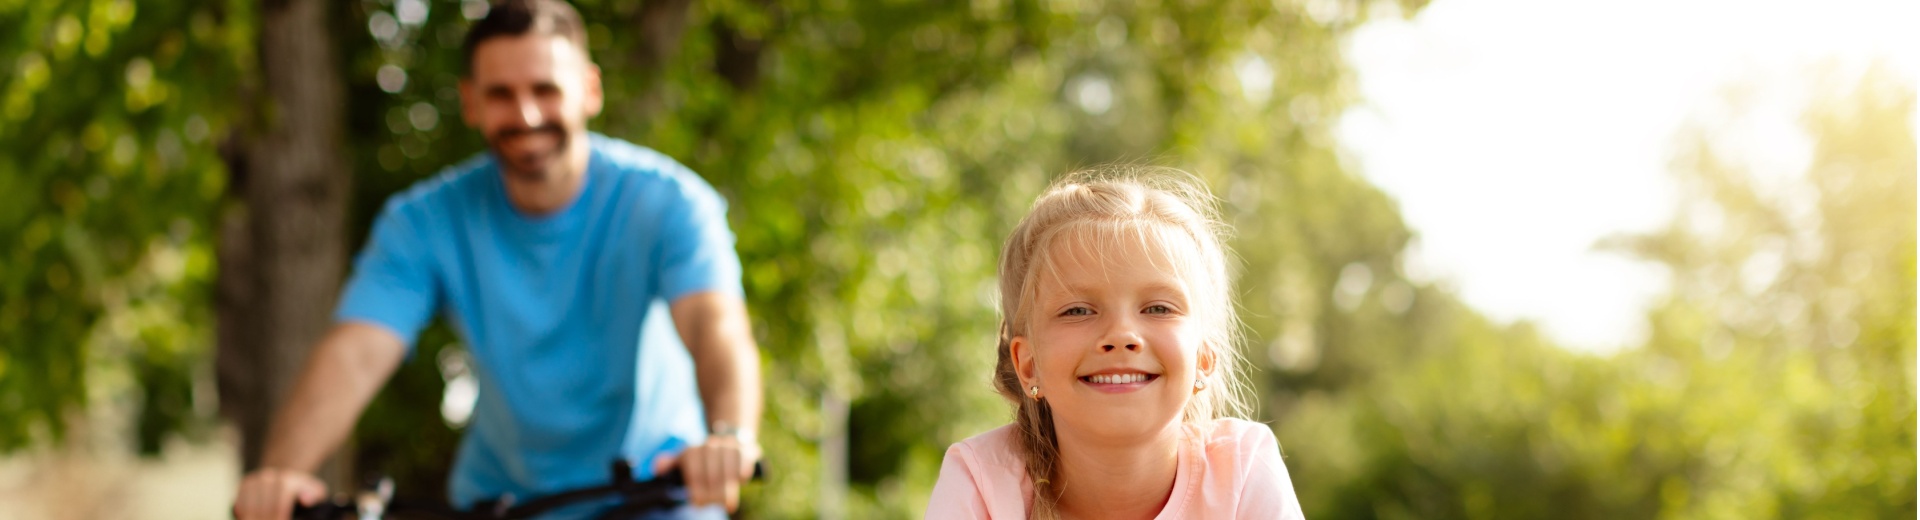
(1235, 473)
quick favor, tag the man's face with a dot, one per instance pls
(531, 96)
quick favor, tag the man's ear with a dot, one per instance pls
(1023, 364)
(470, 104)
(596, 98)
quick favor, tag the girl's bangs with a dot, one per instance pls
(1167, 247)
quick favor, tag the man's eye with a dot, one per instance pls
(1158, 309)
(1077, 311)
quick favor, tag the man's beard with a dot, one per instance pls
(532, 166)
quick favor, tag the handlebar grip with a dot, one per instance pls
(674, 477)
(329, 510)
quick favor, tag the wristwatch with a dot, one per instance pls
(727, 429)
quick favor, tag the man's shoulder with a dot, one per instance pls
(450, 185)
(653, 170)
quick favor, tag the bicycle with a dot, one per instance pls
(666, 491)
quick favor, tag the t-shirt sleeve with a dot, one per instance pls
(955, 496)
(696, 246)
(1267, 489)
(393, 285)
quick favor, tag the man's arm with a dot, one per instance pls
(342, 374)
(714, 327)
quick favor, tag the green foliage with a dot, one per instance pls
(1777, 380)
(109, 179)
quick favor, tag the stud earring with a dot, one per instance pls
(1034, 392)
(1199, 385)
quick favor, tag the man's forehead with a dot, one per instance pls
(527, 56)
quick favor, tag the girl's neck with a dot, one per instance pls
(1117, 480)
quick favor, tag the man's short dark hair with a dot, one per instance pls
(519, 17)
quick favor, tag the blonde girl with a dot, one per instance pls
(1117, 347)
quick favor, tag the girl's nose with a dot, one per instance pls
(1122, 332)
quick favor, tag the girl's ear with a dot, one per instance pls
(1022, 352)
(1207, 359)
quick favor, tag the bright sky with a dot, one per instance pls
(1517, 133)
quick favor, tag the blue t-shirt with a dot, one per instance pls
(576, 355)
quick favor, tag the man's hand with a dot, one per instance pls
(269, 494)
(714, 470)
(344, 371)
(714, 327)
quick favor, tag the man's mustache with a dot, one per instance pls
(550, 128)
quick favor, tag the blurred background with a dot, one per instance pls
(1497, 259)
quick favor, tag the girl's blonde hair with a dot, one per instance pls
(1164, 209)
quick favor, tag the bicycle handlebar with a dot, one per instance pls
(376, 503)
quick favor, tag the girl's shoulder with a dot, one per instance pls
(998, 448)
(983, 476)
(1241, 471)
(1238, 435)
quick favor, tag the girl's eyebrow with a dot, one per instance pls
(1082, 289)
(1163, 285)
(1155, 287)
(1159, 287)
(1067, 296)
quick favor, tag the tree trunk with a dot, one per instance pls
(661, 23)
(283, 252)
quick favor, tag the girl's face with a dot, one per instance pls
(1111, 338)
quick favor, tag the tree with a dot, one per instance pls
(282, 248)
(117, 222)
(107, 185)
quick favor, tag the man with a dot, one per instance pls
(567, 261)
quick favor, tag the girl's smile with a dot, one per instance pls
(1119, 380)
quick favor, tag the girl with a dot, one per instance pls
(1117, 347)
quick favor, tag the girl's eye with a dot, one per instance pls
(1078, 311)
(1159, 309)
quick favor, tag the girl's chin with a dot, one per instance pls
(1132, 424)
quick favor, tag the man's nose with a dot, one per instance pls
(530, 113)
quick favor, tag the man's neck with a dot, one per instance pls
(549, 195)
(1117, 480)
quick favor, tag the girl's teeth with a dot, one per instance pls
(1118, 379)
